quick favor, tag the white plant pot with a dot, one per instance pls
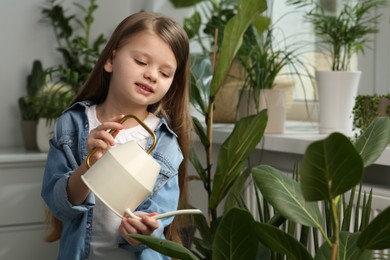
(271, 99)
(336, 92)
(44, 133)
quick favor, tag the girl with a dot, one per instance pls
(143, 70)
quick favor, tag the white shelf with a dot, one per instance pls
(296, 138)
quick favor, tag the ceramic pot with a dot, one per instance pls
(44, 134)
(337, 91)
(271, 99)
(29, 134)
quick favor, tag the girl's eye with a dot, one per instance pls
(140, 62)
(165, 75)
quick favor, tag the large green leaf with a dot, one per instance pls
(374, 140)
(330, 167)
(285, 195)
(246, 134)
(348, 249)
(377, 234)
(279, 241)
(235, 238)
(232, 39)
(184, 3)
(165, 247)
(201, 76)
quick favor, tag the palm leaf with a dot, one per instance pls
(285, 195)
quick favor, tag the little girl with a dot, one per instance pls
(143, 71)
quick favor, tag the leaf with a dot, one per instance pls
(377, 234)
(246, 134)
(234, 238)
(279, 241)
(235, 194)
(374, 140)
(330, 167)
(231, 42)
(348, 249)
(184, 3)
(200, 131)
(285, 195)
(165, 247)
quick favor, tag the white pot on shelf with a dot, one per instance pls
(44, 134)
(271, 99)
(336, 92)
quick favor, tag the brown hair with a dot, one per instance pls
(174, 106)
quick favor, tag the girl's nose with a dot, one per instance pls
(150, 74)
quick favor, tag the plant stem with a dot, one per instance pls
(336, 230)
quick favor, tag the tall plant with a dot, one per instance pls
(345, 32)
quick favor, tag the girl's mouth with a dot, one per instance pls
(145, 88)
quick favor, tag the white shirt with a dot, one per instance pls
(105, 223)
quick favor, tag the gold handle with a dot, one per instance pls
(87, 160)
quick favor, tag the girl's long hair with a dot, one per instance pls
(174, 106)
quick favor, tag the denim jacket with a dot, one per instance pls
(68, 149)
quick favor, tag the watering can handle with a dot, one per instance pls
(112, 131)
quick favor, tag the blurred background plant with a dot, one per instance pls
(78, 50)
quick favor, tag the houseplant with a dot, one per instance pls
(269, 65)
(342, 33)
(79, 52)
(368, 107)
(28, 105)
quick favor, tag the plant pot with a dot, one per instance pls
(44, 133)
(336, 92)
(271, 99)
(29, 134)
(226, 100)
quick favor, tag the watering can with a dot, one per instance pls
(125, 176)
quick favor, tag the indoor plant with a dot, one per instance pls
(341, 33)
(79, 53)
(269, 67)
(367, 108)
(29, 105)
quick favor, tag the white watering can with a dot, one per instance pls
(125, 176)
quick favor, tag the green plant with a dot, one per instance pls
(330, 169)
(264, 59)
(368, 107)
(35, 82)
(78, 50)
(345, 32)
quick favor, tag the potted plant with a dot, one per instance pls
(28, 105)
(79, 54)
(342, 33)
(205, 29)
(367, 108)
(269, 66)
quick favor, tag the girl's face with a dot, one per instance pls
(142, 70)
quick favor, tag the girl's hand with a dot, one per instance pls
(100, 139)
(146, 226)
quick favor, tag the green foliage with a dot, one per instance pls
(368, 107)
(35, 82)
(282, 193)
(343, 33)
(78, 50)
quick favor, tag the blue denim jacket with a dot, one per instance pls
(68, 149)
